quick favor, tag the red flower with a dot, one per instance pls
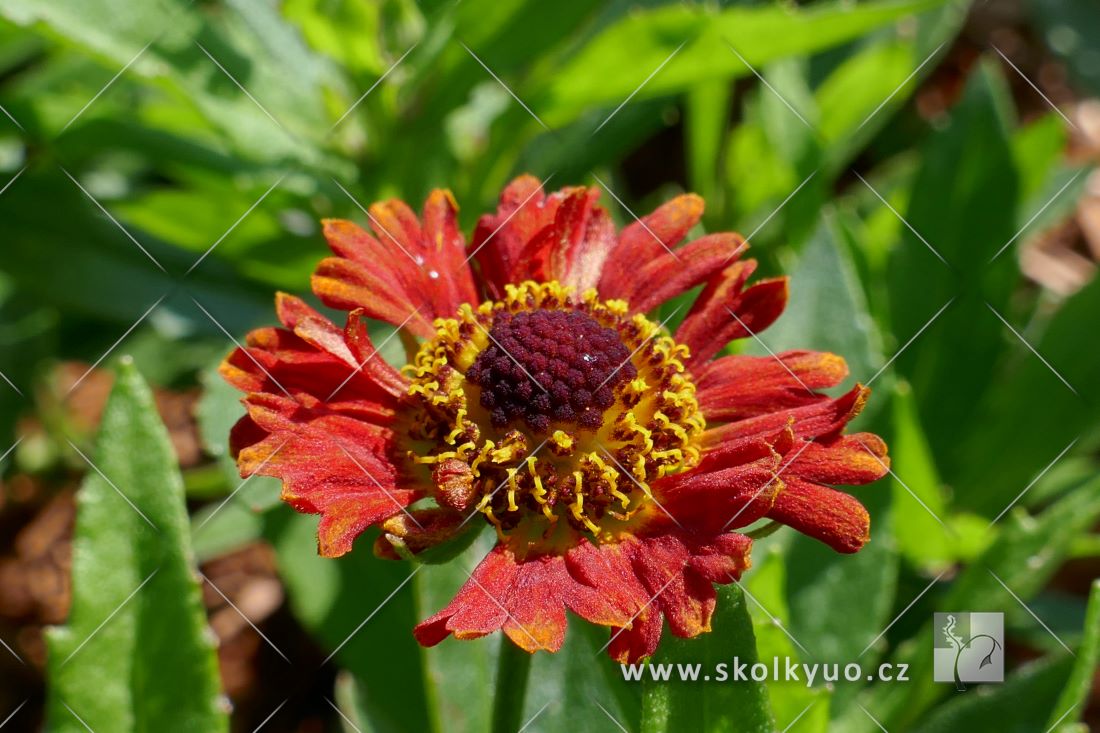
(613, 460)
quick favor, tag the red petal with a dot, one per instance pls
(573, 248)
(629, 645)
(500, 238)
(678, 571)
(477, 609)
(291, 309)
(329, 464)
(607, 569)
(686, 600)
(711, 324)
(349, 241)
(643, 242)
(737, 387)
(674, 273)
(317, 359)
(536, 604)
(854, 459)
(394, 221)
(586, 240)
(529, 597)
(723, 559)
(343, 520)
(410, 272)
(370, 362)
(719, 500)
(349, 285)
(819, 420)
(828, 515)
(448, 277)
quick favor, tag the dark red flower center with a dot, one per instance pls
(546, 366)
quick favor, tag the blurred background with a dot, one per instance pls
(922, 169)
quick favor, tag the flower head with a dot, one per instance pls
(614, 460)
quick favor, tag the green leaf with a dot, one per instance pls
(707, 110)
(136, 653)
(458, 673)
(287, 85)
(98, 258)
(791, 700)
(967, 175)
(716, 705)
(827, 308)
(612, 66)
(1076, 689)
(1033, 395)
(1019, 705)
(1024, 556)
(1040, 696)
(862, 94)
(361, 609)
(579, 688)
(919, 507)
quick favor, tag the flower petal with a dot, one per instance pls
(409, 275)
(738, 387)
(573, 247)
(671, 274)
(475, 610)
(329, 464)
(369, 361)
(686, 599)
(349, 285)
(499, 239)
(722, 559)
(714, 501)
(536, 604)
(317, 359)
(828, 515)
(819, 420)
(349, 241)
(855, 459)
(642, 242)
(578, 258)
(640, 640)
(711, 323)
(448, 276)
(607, 570)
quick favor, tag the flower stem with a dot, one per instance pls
(513, 669)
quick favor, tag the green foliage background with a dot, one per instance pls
(165, 166)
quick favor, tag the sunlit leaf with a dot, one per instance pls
(136, 653)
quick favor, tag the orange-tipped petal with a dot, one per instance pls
(329, 464)
(349, 285)
(828, 515)
(713, 501)
(739, 387)
(819, 420)
(499, 239)
(536, 605)
(449, 279)
(479, 606)
(686, 599)
(671, 274)
(645, 241)
(855, 459)
(726, 311)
